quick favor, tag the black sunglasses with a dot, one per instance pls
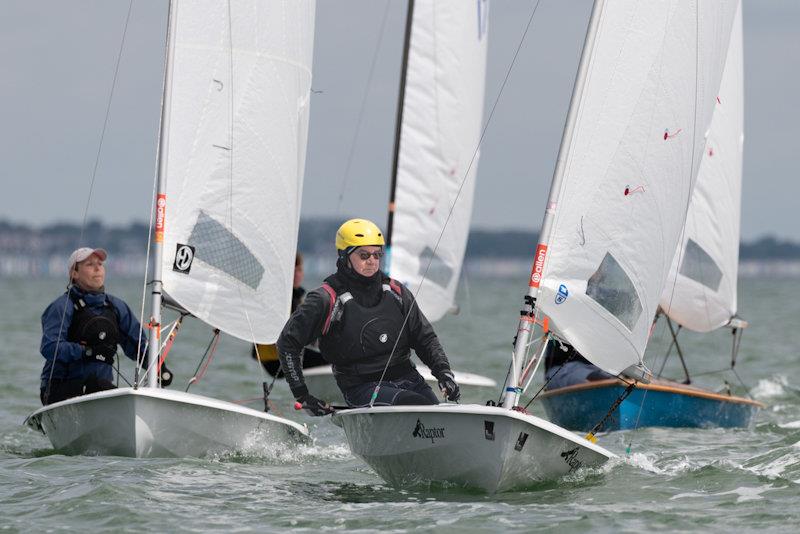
(364, 255)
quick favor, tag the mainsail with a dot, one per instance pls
(627, 167)
(441, 115)
(700, 293)
(235, 132)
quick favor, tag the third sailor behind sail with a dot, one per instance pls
(358, 315)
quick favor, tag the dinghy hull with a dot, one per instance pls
(473, 446)
(660, 403)
(147, 422)
(321, 383)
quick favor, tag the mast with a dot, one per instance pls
(161, 206)
(398, 129)
(528, 312)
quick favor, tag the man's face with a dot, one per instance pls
(90, 274)
(364, 260)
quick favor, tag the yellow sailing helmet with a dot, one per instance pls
(358, 233)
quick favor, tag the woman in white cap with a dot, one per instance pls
(81, 330)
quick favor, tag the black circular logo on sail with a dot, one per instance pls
(184, 255)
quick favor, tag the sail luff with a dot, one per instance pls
(398, 129)
(154, 334)
(530, 310)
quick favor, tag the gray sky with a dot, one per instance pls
(58, 58)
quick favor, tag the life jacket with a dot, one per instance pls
(358, 340)
(92, 327)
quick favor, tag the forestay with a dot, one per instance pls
(442, 115)
(630, 158)
(236, 132)
(700, 293)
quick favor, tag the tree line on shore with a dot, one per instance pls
(316, 238)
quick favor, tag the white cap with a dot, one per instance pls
(83, 254)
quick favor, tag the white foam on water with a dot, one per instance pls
(672, 467)
(690, 495)
(791, 424)
(744, 494)
(771, 387)
(775, 468)
(644, 461)
(747, 493)
(259, 445)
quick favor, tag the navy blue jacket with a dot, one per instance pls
(69, 363)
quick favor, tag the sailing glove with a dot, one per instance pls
(314, 406)
(447, 383)
(104, 353)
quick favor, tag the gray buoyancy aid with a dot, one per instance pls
(91, 326)
(358, 340)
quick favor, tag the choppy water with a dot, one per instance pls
(689, 480)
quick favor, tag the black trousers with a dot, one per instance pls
(61, 389)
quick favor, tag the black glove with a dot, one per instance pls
(447, 383)
(165, 375)
(103, 353)
(314, 406)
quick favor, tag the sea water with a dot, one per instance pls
(672, 479)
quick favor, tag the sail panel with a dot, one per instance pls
(701, 294)
(635, 147)
(440, 132)
(236, 132)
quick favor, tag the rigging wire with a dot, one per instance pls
(455, 200)
(91, 187)
(360, 119)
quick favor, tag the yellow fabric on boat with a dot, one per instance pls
(267, 353)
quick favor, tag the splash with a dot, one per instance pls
(771, 387)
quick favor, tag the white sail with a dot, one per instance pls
(700, 293)
(236, 132)
(442, 116)
(652, 73)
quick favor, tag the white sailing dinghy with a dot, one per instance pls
(629, 155)
(439, 122)
(700, 293)
(231, 161)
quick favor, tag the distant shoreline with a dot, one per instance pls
(26, 251)
(132, 266)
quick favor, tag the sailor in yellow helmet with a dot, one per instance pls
(367, 324)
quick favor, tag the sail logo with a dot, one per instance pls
(538, 265)
(161, 214)
(427, 433)
(562, 294)
(383, 338)
(184, 255)
(571, 458)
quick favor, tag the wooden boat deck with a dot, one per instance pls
(666, 386)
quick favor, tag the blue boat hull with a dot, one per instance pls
(661, 403)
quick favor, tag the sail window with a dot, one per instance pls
(610, 287)
(698, 265)
(219, 248)
(439, 272)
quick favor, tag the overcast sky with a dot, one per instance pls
(58, 59)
